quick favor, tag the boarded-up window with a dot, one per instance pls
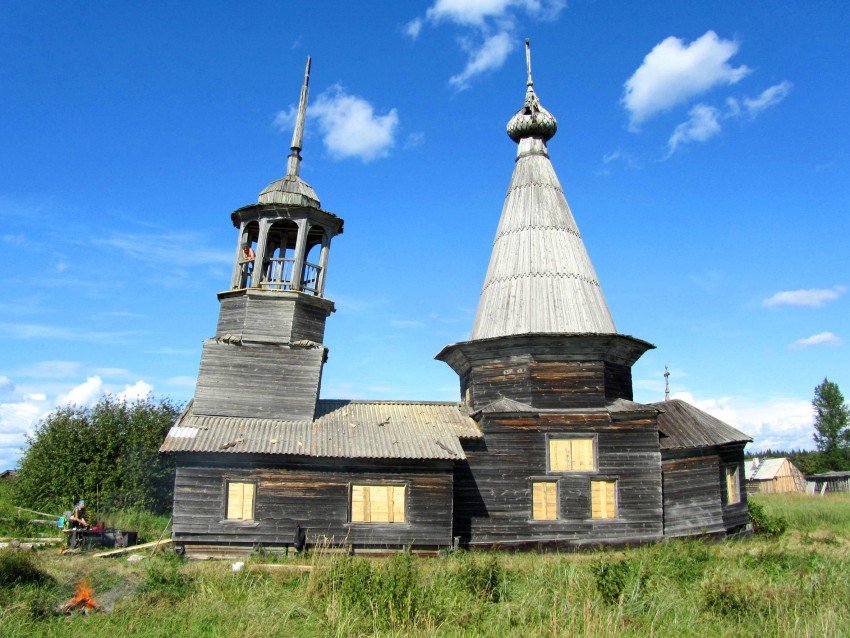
(240, 501)
(544, 498)
(733, 487)
(603, 499)
(377, 504)
(571, 455)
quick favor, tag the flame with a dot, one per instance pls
(84, 598)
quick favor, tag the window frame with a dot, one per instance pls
(369, 485)
(732, 471)
(557, 500)
(237, 521)
(616, 498)
(592, 438)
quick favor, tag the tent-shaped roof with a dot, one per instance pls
(540, 279)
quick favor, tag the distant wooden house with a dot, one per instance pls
(8, 474)
(828, 482)
(546, 447)
(773, 475)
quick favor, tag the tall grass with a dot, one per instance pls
(782, 586)
(830, 512)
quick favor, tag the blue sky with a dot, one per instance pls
(702, 148)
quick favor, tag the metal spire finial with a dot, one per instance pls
(293, 164)
(666, 384)
(530, 82)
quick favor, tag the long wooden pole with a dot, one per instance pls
(24, 509)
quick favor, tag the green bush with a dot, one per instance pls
(612, 578)
(763, 523)
(107, 453)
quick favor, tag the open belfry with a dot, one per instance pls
(546, 447)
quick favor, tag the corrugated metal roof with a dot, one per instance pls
(342, 429)
(765, 470)
(684, 426)
(540, 278)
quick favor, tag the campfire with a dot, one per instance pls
(83, 602)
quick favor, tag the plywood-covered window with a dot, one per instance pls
(571, 455)
(733, 486)
(377, 504)
(240, 501)
(603, 499)
(544, 499)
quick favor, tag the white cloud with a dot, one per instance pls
(138, 391)
(812, 298)
(819, 339)
(16, 421)
(487, 57)
(477, 12)
(769, 97)
(85, 394)
(413, 28)
(481, 19)
(702, 125)
(673, 73)
(6, 384)
(165, 251)
(781, 423)
(350, 126)
(35, 396)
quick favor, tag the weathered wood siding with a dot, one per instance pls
(270, 319)
(258, 380)
(549, 384)
(312, 494)
(692, 488)
(493, 501)
(695, 500)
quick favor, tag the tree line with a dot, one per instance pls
(107, 454)
(831, 435)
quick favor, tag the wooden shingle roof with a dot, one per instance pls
(683, 426)
(540, 279)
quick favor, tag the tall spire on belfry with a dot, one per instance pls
(293, 164)
(540, 279)
(291, 189)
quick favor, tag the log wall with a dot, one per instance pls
(695, 500)
(276, 317)
(549, 384)
(315, 496)
(493, 486)
(258, 380)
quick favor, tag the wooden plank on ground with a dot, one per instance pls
(126, 550)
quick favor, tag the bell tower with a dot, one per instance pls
(266, 358)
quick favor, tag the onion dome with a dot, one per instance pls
(532, 120)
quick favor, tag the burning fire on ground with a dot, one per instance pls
(83, 602)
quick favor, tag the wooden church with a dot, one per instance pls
(546, 447)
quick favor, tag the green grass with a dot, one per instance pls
(828, 513)
(794, 585)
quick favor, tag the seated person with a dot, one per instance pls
(78, 516)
